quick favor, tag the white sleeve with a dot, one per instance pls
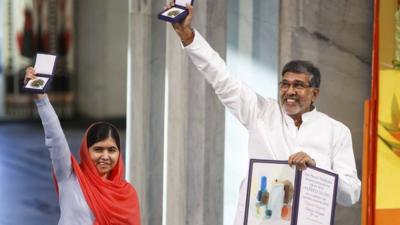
(349, 186)
(243, 102)
(55, 139)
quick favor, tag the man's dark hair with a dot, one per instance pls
(306, 67)
(101, 131)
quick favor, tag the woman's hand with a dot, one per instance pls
(184, 28)
(29, 75)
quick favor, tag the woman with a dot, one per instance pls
(94, 190)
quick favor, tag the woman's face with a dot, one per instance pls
(104, 155)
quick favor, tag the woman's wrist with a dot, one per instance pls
(39, 96)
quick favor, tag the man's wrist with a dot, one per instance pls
(187, 36)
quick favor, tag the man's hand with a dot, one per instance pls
(301, 160)
(184, 28)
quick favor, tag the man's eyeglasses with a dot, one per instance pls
(297, 85)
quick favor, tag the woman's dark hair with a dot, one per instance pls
(306, 67)
(101, 131)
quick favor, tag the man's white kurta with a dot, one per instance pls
(272, 133)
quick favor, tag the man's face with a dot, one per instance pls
(296, 95)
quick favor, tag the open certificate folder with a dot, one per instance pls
(278, 194)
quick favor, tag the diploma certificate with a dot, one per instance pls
(278, 194)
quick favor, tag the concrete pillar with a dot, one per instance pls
(336, 36)
(195, 149)
(175, 123)
(101, 42)
(145, 106)
(245, 27)
(265, 33)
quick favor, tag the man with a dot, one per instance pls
(291, 129)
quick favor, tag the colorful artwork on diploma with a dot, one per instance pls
(279, 194)
(271, 194)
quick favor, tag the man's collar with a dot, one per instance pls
(307, 116)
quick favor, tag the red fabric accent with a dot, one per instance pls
(113, 201)
(373, 131)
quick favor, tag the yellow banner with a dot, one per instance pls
(388, 152)
(387, 195)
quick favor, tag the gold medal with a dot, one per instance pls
(37, 83)
(173, 13)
